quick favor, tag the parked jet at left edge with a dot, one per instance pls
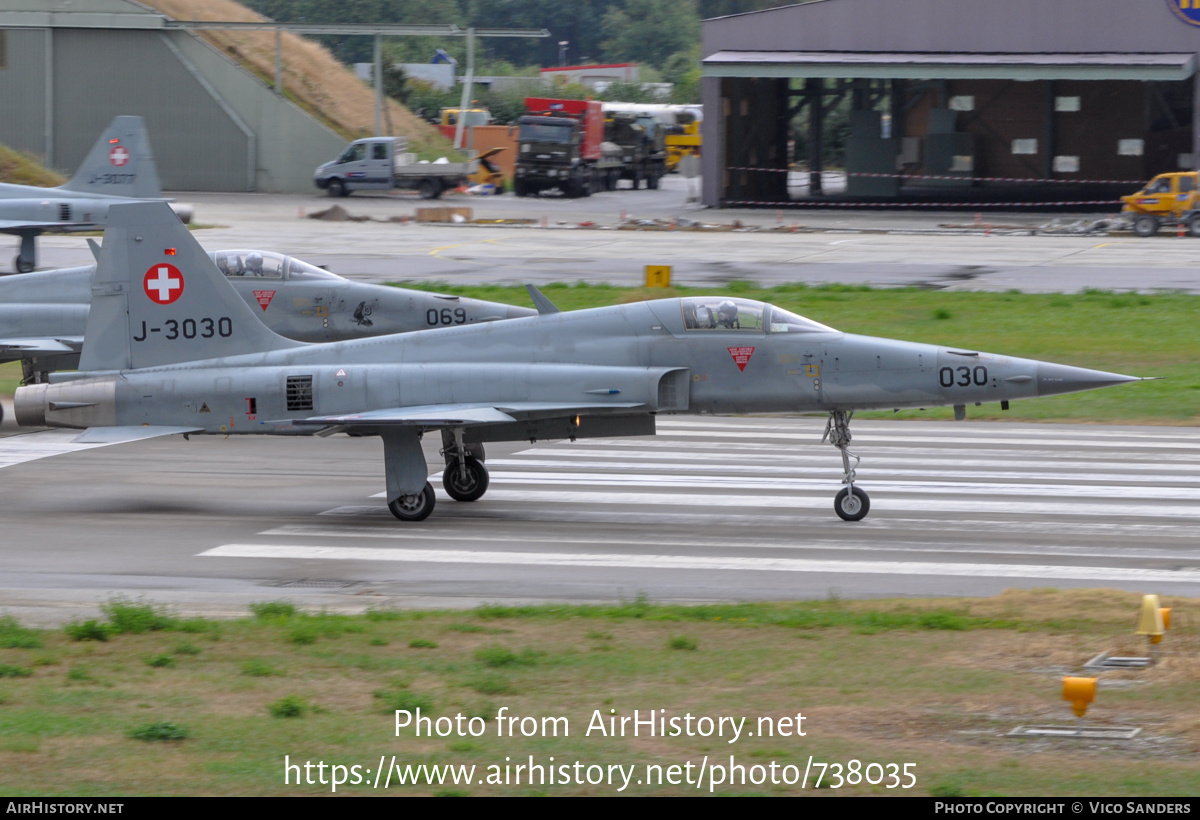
(170, 348)
(120, 167)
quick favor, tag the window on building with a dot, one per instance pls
(1024, 146)
(1130, 148)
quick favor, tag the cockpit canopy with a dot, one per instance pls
(724, 313)
(266, 265)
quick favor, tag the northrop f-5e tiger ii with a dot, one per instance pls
(170, 348)
(119, 168)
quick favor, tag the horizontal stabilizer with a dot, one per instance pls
(118, 435)
(44, 347)
(453, 415)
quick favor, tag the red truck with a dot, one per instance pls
(561, 145)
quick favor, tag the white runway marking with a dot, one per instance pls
(1043, 505)
(694, 562)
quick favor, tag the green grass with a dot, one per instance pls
(936, 683)
(1138, 334)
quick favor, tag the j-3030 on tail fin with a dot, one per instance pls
(157, 298)
(119, 164)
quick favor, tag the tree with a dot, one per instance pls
(650, 31)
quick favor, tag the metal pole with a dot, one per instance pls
(378, 84)
(279, 61)
(49, 99)
(466, 92)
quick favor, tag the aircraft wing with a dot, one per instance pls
(42, 347)
(18, 225)
(118, 435)
(453, 415)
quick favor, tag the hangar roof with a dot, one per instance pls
(1006, 39)
(938, 66)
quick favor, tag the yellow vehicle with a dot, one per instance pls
(1166, 199)
(682, 139)
(472, 116)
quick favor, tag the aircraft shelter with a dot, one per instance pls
(948, 101)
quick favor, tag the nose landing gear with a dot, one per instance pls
(851, 504)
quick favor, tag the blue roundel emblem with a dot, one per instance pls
(1186, 10)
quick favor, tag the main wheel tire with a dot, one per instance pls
(22, 266)
(429, 188)
(414, 507)
(851, 508)
(1145, 225)
(472, 487)
(337, 188)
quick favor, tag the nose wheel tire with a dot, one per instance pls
(470, 487)
(414, 507)
(851, 506)
(23, 265)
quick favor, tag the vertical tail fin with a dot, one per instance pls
(119, 164)
(157, 299)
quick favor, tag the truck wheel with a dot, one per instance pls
(429, 188)
(1193, 224)
(337, 188)
(1145, 225)
(519, 188)
(652, 182)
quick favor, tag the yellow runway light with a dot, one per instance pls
(1080, 691)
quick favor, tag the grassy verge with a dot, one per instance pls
(143, 703)
(1142, 335)
(19, 168)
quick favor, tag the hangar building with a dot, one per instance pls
(953, 100)
(66, 69)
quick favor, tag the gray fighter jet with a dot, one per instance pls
(171, 348)
(119, 167)
(43, 315)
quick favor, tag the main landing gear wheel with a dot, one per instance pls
(851, 504)
(467, 482)
(23, 265)
(414, 507)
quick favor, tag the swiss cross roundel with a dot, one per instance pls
(163, 283)
(118, 156)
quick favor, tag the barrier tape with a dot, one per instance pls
(1137, 182)
(803, 203)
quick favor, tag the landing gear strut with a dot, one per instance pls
(465, 478)
(26, 258)
(851, 504)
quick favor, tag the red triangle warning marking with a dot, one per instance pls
(264, 297)
(741, 355)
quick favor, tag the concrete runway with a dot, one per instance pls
(885, 249)
(710, 509)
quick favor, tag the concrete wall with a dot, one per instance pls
(23, 92)
(288, 142)
(213, 125)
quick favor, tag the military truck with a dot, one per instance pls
(384, 163)
(561, 145)
(642, 140)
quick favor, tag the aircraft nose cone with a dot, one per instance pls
(1061, 378)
